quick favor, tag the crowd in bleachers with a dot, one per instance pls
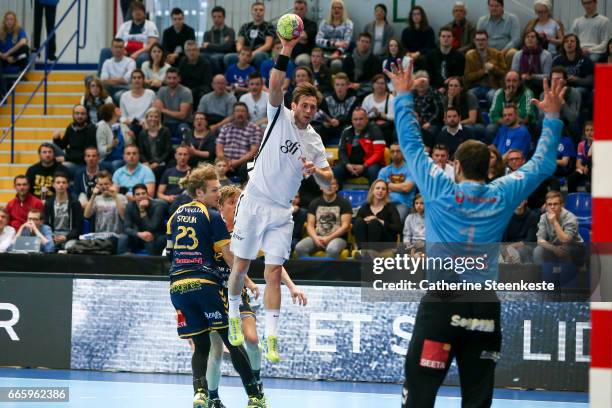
(160, 106)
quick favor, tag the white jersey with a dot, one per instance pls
(278, 168)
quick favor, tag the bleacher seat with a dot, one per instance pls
(580, 205)
(356, 197)
(585, 233)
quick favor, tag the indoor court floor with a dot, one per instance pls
(106, 389)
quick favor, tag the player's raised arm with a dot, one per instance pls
(543, 163)
(409, 134)
(278, 73)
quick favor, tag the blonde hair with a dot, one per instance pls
(227, 192)
(150, 111)
(371, 191)
(4, 29)
(345, 17)
(198, 178)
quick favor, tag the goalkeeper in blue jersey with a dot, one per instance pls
(467, 211)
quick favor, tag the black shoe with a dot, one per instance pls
(215, 403)
(52, 57)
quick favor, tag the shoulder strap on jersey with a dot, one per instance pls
(267, 135)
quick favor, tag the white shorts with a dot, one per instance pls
(261, 224)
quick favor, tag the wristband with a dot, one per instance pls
(552, 115)
(281, 63)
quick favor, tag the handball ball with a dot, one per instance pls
(290, 26)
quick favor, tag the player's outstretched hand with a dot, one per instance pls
(402, 78)
(554, 98)
(298, 296)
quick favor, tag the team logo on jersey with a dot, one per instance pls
(290, 147)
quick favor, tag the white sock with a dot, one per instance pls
(234, 305)
(272, 316)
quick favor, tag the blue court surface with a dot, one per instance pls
(104, 389)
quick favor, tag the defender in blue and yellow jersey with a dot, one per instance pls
(196, 233)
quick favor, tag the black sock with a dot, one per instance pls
(200, 385)
(213, 394)
(256, 374)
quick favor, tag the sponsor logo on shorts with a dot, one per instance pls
(435, 354)
(483, 325)
(180, 319)
(216, 315)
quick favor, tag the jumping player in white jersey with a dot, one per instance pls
(289, 151)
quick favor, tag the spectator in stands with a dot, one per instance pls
(514, 92)
(328, 223)
(335, 34)
(485, 68)
(267, 65)
(49, 8)
(301, 51)
(444, 62)
(512, 134)
(138, 33)
(379, 105)
(557, 232)
(414, 226)
(222, 168)
(238, 141)
(116, 71)
(439, 155)
(19, 206)
(299, 219)
(144, 222)
(6, 231)
(135, 102)
(14, 50)
(520, 233)
(218, 104)
(361, 65)
(398, 179)
(175, 103)
(300, 75)
(154, 143)
(593, 30)
(497, 168)
(550, 31)
(337, 109)
(63, 213)
(320, 71)
(378, 219)
(195, 71)
(380, 30)
(453, 133)
(134, 172)
(607, 57)
(566, 156)
(256, 100)
(200, 141)
(109, 141)
(463, 30)
(40, 175)
(108, 205)
(503, 28)
(582, 175)
(418, 38)
(169, 187)
(156, 67)
(219, 40)
(466, 103)
(175, 37)
(237, 75)
(570, 111)
(393, 53)
(515, 159)
(257, 34)
(85, 178)
(34, 227)
(361, 149)
(428, 104)
(78, 135)
(95, 96)
(580, 69)
(532, 62)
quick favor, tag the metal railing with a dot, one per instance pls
(48, 68)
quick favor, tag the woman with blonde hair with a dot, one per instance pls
(378, 219)
(14, 50)
(551, 31)
(335, 34)
(155, 143)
